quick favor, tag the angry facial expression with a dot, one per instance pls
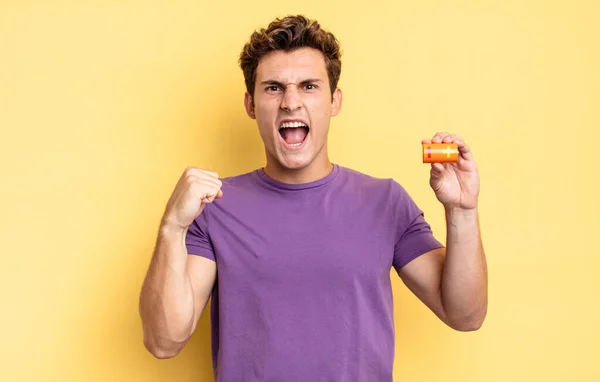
(293, 105)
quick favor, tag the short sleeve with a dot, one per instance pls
(197, 240)
(414, 236)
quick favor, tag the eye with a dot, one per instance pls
(310, 86)
(272, 88)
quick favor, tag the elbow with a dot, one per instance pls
(161, 354)
(470, 323)
(160, 351)
(161, 343)
(468, 326)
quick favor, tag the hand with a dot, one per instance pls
(193, 191)
(456, 185)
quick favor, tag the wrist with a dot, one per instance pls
(170, 229)
(460, 211)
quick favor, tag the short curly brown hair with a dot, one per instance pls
(288, 34)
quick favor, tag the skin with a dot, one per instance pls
(451, 281)
(294, 85)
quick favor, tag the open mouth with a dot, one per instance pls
(294, 133)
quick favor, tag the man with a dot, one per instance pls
(297, 255)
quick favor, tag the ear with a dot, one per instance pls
(336, 102)
(249, 105)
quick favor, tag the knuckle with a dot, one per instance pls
(190, 178)
(192, 172)
(209, 173)
(200, 173)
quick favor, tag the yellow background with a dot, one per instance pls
(104, 103)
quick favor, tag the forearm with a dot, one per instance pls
(464, 279)
(166, 300)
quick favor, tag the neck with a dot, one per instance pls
(313, 172)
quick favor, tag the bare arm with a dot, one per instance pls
(452, 282)
(174, 294)
(177, 285)
(464, 280)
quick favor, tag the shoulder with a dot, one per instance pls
(239, 184)
(360, 178)
(387, 193)
(239, 191)
(388, 187)
(239, 180)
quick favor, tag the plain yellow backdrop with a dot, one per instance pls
(104, 103)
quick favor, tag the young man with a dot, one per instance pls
(297, 255)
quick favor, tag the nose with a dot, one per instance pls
(291, 99)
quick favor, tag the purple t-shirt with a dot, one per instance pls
(303, 290)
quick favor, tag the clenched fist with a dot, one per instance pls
(193, 191)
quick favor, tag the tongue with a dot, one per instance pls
(293, 135)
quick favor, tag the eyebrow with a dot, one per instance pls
(274, 82)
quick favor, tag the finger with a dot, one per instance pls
(211, 174)
(197, 176)
(464, 150)
(426, 141)
(202, 185)
(437, 169)
(214, 196)
(210, 198)
(450, 138)
(201, 172)
(211, 181)
(219, 194)
(204, 176)
(438, 137)
(207, 192)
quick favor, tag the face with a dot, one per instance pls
(293, 106)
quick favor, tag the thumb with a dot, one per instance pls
(209, 199)
(437, 169)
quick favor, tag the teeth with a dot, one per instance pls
(292, 124)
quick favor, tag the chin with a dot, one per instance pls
(294, 164)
